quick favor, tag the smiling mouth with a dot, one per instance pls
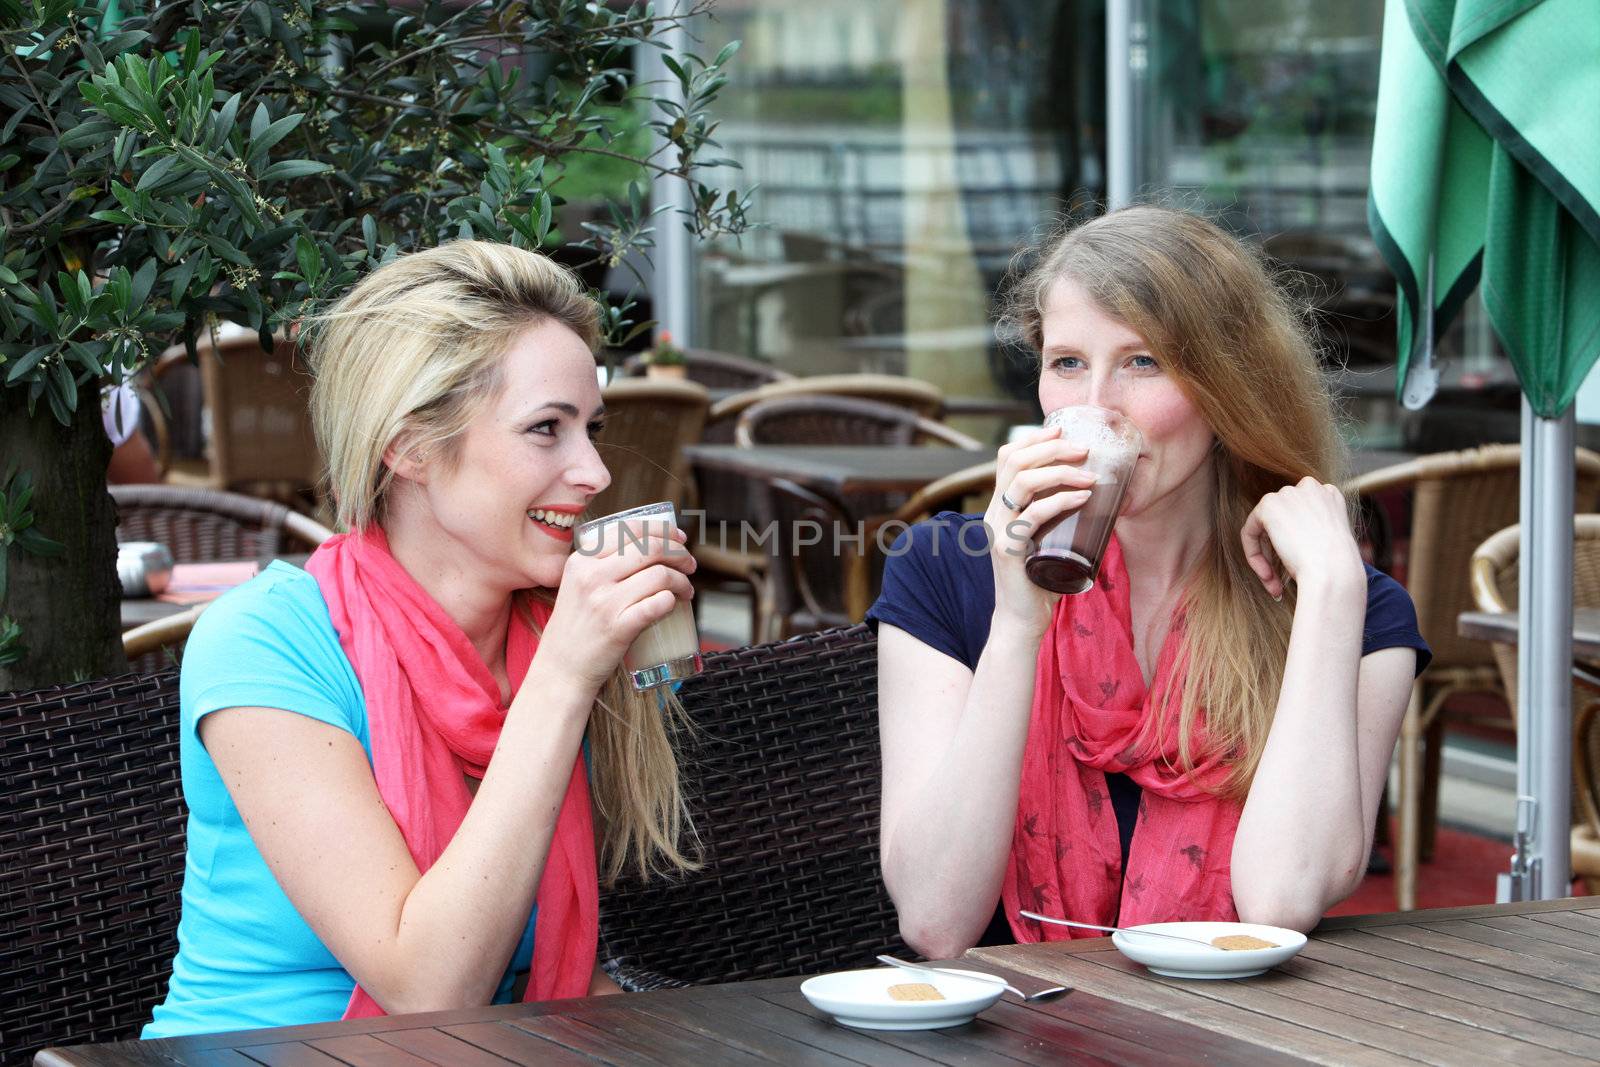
(556, 524)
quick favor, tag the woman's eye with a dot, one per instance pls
(546, 428)
(1143, 362)
(596, 428)
(1066, 363)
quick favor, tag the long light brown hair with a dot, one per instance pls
(1243, 352)
(410, 356)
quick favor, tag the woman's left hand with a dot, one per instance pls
(1297, 531)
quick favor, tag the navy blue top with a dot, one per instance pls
(938, 586)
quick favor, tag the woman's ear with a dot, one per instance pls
(407, 460)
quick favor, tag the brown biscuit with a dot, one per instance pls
(914, 991)
(1241, 942)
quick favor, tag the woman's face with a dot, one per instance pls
(1092, 358)
(526, 468)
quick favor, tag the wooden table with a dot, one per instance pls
(1499, 984)
(1494, 985)
(837, 470)
(136, 611)
(1501, 626)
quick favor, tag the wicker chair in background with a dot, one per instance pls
(648, 423)
(1495, 581)
(92, 830)
(716, 370)
(813, 586)
(1457, 500)
(783, 781)
(726, 500)
(209, 526)
(260, 436)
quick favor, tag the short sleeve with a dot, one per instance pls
(271, 644)
(938, 586)
(1392, 619)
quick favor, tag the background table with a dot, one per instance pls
(1498, 984)
(841, 469)
(1502, 627)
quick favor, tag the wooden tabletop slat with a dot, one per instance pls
(1476, 1027)
(500, 1039)
(1489, 985)
(855, 1046)
(1280, 996)
(364, 1050)
(1530, 1018)
(715, 1024)
(290, 1054)
(1179, 1001)
(960, 1047)
(1583, 941)
(1494, 979)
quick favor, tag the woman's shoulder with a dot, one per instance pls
(271, 643)
(1391, 620)
(938, 585)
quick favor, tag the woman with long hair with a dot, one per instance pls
(409, 764)
(1204, 733)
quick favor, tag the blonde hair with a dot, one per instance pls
(407, 358)
(1243, 353)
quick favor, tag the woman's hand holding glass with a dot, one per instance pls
(1037, 481)
(610, 592)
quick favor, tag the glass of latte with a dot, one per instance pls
(667, 650)
(1066, 553)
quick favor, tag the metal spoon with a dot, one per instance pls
(992, 979)
(1035, 916)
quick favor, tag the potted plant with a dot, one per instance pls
(666, 359)
(238, 160)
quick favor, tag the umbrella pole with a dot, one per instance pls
(1541, 865)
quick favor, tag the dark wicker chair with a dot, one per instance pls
(207, 525)
(783, 781)
(716, 370)
(844, 420)
(92, 831)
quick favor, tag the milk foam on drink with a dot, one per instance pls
(1066, 553)
(668, 650)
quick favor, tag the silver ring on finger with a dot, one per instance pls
(1008, 502)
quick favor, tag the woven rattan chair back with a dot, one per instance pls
(260, 416)
(648, 423)
(1458, 500)
(841, 420)
(208, 526)
(92, 831)
(716, 370)
(783, 780)
(922, 397)
(1495, 585)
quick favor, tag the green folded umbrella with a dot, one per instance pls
(1486, 166)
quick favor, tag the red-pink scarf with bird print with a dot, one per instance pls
(1090, 709)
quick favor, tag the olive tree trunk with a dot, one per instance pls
(67, 605)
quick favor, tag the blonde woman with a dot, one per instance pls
(1205, 733)
(395, 760)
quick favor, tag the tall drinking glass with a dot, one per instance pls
(1065, 555)
(668, 650)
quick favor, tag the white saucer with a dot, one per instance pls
(861, 999)
(1177, 960)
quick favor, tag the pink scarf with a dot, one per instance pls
(1090, 706)
(434, 713)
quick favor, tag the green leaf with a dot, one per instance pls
(37, 543)
(294, 168)
(261, 142)
(156, 172)
(29, 361)
(143, 281)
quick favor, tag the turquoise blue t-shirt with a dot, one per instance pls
(245, 957)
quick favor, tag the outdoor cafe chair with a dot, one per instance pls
(648, 422)
(209, 525)
(1457, 500)
(260, 438)
(715, 370)
(1495, 579)
(782, 776)
(841, 420)
(92, 831)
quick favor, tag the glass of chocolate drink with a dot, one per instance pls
(668, 650)
(1065, 554)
